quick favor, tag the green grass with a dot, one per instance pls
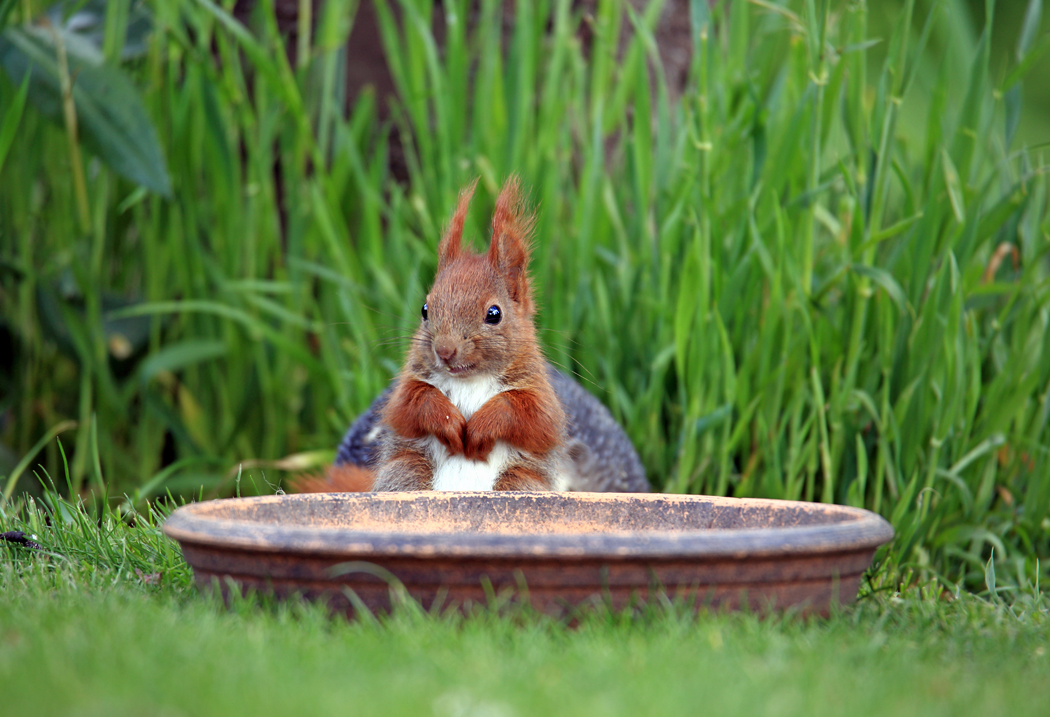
(60, 658)
(104, 620)
(818, 274)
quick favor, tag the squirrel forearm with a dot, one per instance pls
(521, 418)
(417, 410)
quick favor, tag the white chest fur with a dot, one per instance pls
(456, 472)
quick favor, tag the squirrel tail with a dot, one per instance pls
(346, 478)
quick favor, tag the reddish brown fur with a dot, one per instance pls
(509, 250)
(417, 410)
(518, 417)
(336, 479)
(521, 478)
(456, 341)
(452, 243)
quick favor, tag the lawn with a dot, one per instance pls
(814, 264)
(103, 620)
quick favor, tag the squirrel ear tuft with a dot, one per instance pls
(452, 243)
(511, 234)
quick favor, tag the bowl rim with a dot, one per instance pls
(854, 529)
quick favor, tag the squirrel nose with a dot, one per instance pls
(445, 352)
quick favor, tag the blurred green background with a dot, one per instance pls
(812, 267)
(953, 44)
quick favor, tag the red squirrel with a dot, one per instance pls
(473, 407)
(476, 406)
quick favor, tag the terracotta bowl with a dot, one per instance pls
(557, 550)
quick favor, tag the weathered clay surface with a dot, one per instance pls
(565, 549)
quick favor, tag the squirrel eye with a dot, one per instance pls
(424, 312)
(493, 315)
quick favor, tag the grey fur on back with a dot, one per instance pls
(601, 456)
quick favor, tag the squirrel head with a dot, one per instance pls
(478, 314)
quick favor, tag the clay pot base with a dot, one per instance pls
(555, 550)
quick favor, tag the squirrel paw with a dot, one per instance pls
(451, 431)
(478, 444)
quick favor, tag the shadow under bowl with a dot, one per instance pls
(555, 550)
